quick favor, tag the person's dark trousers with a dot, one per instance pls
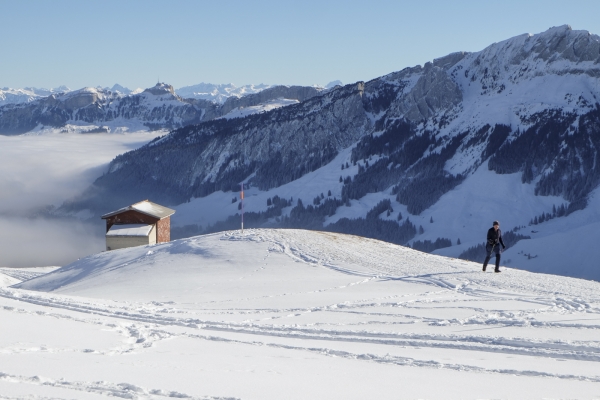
(492, 249)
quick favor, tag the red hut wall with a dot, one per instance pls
(163, 230)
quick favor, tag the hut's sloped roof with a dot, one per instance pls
(129, 230)
(145, 207)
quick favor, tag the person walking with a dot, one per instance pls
(494, 240)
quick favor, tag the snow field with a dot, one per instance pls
(297, 314)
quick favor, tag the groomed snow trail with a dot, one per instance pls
(257, 314)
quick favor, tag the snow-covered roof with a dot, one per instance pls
(129, 230)
(145, 207)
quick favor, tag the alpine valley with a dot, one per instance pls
(427, 156)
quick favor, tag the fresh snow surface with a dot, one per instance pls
(261, 108)
(129, 230)
(272, 314)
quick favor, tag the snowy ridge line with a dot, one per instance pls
(378, 263)
(120, 390)
(311, 250)
(299, 255)
(405, 361)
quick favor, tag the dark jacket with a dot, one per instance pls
(494, 237)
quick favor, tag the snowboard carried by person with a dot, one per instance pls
(492, 245)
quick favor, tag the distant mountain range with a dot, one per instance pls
(25, 95)
(93, 110)
(426, 156)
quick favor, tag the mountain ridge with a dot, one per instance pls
(526, 107)
(90, 110)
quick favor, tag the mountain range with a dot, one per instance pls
(427, 156)
(95, 110)
(217, 93)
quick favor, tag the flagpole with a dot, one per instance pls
(242, 200)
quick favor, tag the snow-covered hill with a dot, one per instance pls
(296, 314)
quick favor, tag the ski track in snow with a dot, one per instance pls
(398, 321)
(21, 274)
(119, 390)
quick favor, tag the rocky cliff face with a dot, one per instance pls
(527, 105)
(274, 147)
(433, 92)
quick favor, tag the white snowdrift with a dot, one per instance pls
(274, 314)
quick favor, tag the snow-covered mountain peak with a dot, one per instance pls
(27, 94)
(85, 90)
(160, 89)
(507, 82)
(42, 92)
(558, 50)
(121, 89)
(333, 84)
(81, 98)
(219, 93)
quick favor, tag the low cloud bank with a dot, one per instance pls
(42, 171)
(42, 242)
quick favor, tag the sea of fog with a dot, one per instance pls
(42, 171)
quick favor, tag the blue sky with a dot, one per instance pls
(135, 43)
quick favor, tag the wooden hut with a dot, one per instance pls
(138, 224)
